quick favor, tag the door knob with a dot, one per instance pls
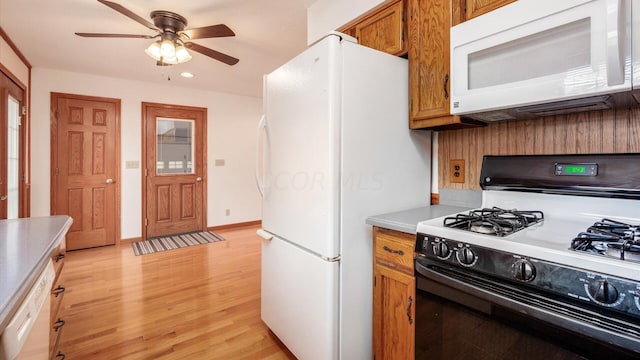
(3, 197)
(198, 179)
(110, 181)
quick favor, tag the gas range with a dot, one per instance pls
(551, 227)
(563, 219)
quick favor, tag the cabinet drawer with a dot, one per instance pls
(394, 249)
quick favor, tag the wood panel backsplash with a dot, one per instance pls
(610, 131)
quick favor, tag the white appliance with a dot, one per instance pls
(27, 334)
(336, 149)
(544, 57)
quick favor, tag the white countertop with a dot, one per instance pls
(25, 246)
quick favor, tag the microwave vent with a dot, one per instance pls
(568, 106)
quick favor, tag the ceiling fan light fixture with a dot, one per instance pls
(182, 54)
(154, 51)
(168, 48)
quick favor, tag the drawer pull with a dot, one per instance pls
(59, 290)
(58, 325)
(59, 257)
(60, 355)
(409, 310)
(399, 252)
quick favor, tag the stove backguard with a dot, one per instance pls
(601, 175)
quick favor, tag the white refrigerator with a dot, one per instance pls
(334, 149)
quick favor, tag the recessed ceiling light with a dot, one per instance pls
(187, 74)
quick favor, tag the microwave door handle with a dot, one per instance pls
(615, 36)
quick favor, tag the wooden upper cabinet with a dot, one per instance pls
(429, 23)
(475, 8)
(383, 29)
(429, 76)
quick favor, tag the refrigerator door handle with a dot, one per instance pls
(264, 234)
(259, 131)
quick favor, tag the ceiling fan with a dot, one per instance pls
(173, 40)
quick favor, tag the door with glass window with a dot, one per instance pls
(174, 156)
(12, 145)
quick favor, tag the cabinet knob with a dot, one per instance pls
(59, 290)
(58, 325)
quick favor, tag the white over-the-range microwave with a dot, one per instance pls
(536, 58)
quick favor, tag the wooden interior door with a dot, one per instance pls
(174, 147)
(84, 165)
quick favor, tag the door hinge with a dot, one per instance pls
(146, 222)
(57, 172)
(146, 172)
(24, 110)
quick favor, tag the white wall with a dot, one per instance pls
(232, 120)
(10, 60)
(326, 15)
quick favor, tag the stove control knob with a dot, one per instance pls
(523, 270)
(466, 256)
(602, 291)
(441, 250)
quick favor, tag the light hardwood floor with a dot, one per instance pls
(200, 302)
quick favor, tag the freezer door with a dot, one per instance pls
(301, 149)
(300, 299)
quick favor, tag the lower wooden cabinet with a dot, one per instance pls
(57, 296)
(394, 293)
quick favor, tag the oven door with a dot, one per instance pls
(462, 316)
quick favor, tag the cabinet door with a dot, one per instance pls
(429, 26)
(383, 30)
(476, 8)
(393, 314)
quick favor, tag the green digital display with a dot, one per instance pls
(575, 169)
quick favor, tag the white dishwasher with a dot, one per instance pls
(27, 334)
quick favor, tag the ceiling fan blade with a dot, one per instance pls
(96, 35)
(128, 13)
(220, 30)
(229, 60)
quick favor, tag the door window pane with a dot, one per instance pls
(175, 144)
(13, 159)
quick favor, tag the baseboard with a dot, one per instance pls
(211, 228)
(130, 240)
(435, 198)
(236, 225)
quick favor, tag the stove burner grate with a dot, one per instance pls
(494, 221)
(610, 238)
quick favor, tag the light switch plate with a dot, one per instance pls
(132, 164)
(219, 162)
